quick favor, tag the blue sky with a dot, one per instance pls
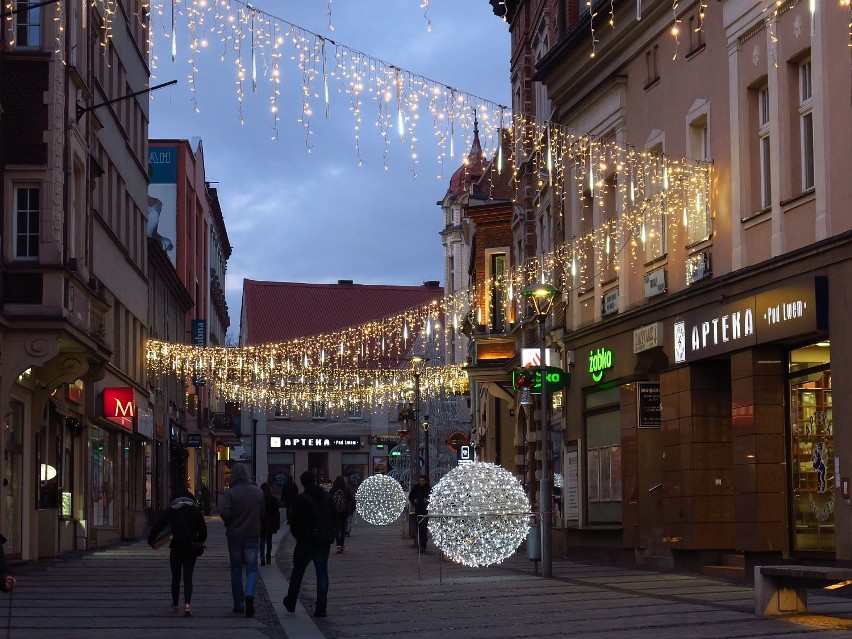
(319, 217)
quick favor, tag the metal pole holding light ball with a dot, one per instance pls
(541, 296)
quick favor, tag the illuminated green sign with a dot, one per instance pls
(557, 379)
(599, 361)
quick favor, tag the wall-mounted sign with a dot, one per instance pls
(119, 406)
(145, 422)
(532, 357)
(795, 309)
(599, 362)
(199, 332)
(655, 282)
(648, 404)
(193, 440)
(465, 455)
(383, 439)
(314, 441)
(609, 302)
(557, 379)
(647, 337)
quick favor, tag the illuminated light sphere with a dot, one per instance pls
(479, 514)
(379, 499)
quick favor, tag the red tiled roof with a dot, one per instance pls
(281, 311)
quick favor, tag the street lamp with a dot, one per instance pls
(418, 365)
(426, 459)
(541, 296)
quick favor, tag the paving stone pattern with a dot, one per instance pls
(381, 587)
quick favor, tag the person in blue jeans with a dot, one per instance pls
(241, 510)
(312, 525)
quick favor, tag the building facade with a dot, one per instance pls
(74, 182)
(700, 420)
(326, 437)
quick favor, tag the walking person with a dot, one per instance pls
(419, 498)
(189, 532)
(312, 525)
(269, 524)
(241, 510)
(289, 493)
(7, 581)
(342, 497)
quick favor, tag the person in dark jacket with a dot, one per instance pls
(289, 493)
(342, 498)
(419, 498)
(241, 510)
(269, 523)
(312, 525)
(186, 521)
(7, 581)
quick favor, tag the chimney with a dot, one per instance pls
(345, 282)
(432, 284)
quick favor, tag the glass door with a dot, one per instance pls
(812, 450)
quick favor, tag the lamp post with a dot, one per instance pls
(426, 457)
(418, 365)
(541, 296)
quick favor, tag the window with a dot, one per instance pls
(696, 34)
(317, 410)
(28, 26)
(542, 105)
(652, 58)
(26, 223)
(765, 155)
(355, 411)
(806, 116)
(282, 410)
(654, 231)
(697, 217)
(497, 296)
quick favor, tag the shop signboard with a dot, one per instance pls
(797, 308)
(648, 404)
(119, 406)
(609, 302)
(193, 440)
(465, 455)
(647, 337)
(145, 422)
(314, 441)
(556, 378)
(532, 357)
(600, 361)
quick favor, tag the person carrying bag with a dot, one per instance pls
(189, 532)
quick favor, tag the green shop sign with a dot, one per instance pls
(599, 361)
(557, 379)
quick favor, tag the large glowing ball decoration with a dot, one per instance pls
(379, 499)
(479, 514)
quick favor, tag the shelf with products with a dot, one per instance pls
(812, 429)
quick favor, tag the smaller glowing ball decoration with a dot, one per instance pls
(479, 514)
(379, 499)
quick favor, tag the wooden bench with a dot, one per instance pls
(783, 590)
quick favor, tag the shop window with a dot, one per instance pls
(12, 478)
(812, 448)
(354, 467)
(603, 457)
(102, 506)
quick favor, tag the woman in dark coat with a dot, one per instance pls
(269, 524)
(342, 497)
(186, 521)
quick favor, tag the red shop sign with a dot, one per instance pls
(119, 407)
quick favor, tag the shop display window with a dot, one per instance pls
(812, 448)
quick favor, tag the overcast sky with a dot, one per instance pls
(319, 217)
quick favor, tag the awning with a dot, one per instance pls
(497, 390)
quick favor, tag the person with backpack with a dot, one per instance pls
(342, 497)
(269, 524)
(189, 532)
(312, 525)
